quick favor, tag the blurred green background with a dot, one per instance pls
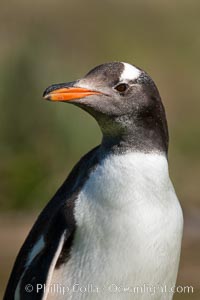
(45, 42)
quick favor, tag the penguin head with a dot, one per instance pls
(121, 97)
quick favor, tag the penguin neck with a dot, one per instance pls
(134, 139)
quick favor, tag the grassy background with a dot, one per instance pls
(55, 41)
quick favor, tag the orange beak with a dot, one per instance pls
(67, 93)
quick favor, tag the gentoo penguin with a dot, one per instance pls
(113, 230)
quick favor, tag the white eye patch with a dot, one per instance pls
(129, 73)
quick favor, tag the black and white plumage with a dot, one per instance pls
(116, 219)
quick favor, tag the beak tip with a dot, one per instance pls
(46, 96)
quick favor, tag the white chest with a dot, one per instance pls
(129, 229)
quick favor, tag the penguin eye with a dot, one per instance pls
(122, 87)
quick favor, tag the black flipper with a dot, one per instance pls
(56, 224)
